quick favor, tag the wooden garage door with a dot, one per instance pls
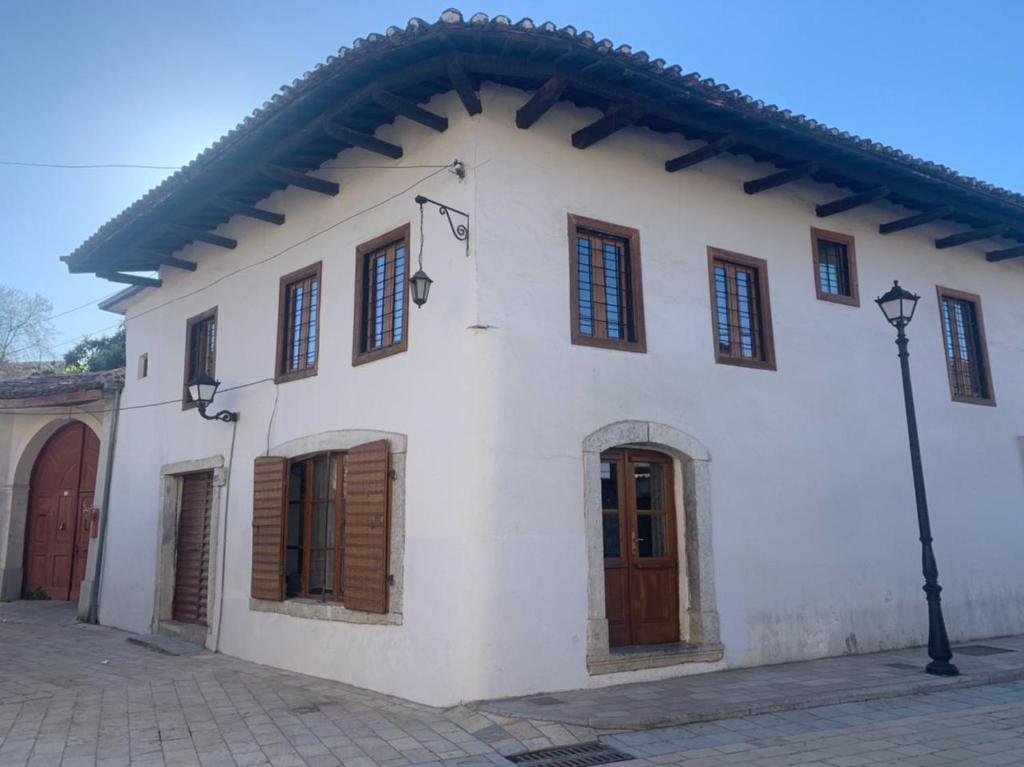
(193, 561)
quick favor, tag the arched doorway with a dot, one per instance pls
(57, 530)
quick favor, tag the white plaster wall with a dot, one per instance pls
(431, 393)
(815, 538)
(814, 529)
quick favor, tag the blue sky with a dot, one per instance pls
(155, 83)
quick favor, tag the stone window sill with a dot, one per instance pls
(323, 611)
(636, 659)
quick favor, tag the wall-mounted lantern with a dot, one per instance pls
(202, 389)
(420, 283)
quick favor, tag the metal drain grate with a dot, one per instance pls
(582, 755)
(979, 649)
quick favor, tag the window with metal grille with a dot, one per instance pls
(298, 324)
(315, 527)
(200, 350)
(382, 281)
(740, 311)
(835, 267)
(963, 336)
(607, 297)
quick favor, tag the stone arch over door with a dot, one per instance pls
(699, 629)
(13, 524)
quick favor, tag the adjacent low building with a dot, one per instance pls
(646, 423)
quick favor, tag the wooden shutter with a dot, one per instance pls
(193, 561)
(367, 519)
(269, 503)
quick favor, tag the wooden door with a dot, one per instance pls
(63, 479)
(641, 563)
(192, 570)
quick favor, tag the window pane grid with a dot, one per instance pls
(314, 544)
(963, 348)
(384, 276)
(738, 312)
(302, 307)
(833, 268)
(604, 289)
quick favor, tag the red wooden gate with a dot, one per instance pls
(60, 495)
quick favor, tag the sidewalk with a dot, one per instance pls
(766, 689)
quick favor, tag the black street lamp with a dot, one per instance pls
(202, 389)
(898, 307)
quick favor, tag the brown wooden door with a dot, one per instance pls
(641, 564)
(63, 479)
(192, 571)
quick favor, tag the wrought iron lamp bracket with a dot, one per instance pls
(459, 230)
(224, 415)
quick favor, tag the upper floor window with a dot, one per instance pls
(382, 282)
(963, 334)
(200, 351)
(740, 311)
(298, 324)
(606, 284)
(835, 267)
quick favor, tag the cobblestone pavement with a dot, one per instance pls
(78, 695)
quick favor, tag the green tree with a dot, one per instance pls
(95, 354)
(25, 327)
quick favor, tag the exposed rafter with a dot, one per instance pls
(362, 140)
(162, 259)
(706, 152)
(410, 110)
(540, 102)
(916, 220)
(248, 210)
(782, 177)
(304, 180)
(618, 117)
(853, 201)
(1006, 253)
(204, 236)
(131, 279)
(971, 235)
(460, 81)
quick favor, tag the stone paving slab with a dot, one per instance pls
(164, 644)
(784, 687)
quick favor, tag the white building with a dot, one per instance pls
(648, 423)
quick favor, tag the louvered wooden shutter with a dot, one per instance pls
(269, 503)
(192, 572)
(367, 513)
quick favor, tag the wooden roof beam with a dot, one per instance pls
(706, 152)
(615, 119)
(249, 211)
(778, 179)
(304, 180)
(362, 140)
(916, 220)
(460, 81)
(163, 259)
(853, 201)
(1016, 251)
(204, 236)
(971, 235)
(409, 110)
(131, 279)
(540, 102)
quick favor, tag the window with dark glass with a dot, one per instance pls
(740, 312)
(298, 324)
(314, 528)
(607, 300)
(382, 280)
(966, 355)
(200, 350)
(835, 267)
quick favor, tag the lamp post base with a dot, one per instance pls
(942, 668)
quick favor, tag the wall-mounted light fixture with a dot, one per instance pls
(202, 389)
(420, 283)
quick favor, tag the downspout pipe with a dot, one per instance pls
(101, 544)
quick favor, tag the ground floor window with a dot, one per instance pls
(315, 527)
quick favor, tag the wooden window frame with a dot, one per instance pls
(985, 370)
(337, 583)
(280, 374)
(361, 302)
(186, 399)
(632, 238)
(853, 299)
(767, 360)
